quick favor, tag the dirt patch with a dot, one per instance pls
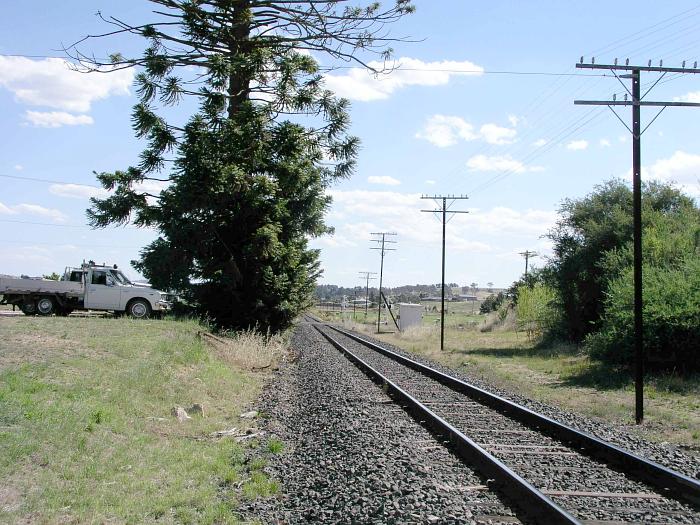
(10, 498)
(21, 349)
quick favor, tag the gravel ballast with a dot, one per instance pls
(665, 454)
(586, 488)
(352, 456)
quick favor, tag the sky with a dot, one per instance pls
(480, 104)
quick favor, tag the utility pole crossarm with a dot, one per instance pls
(528, 255)
(650, 68)
(446, 211)
(630, 103)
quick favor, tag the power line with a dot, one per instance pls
(679, 18)
(45, 223)
(477, 71)
(32, 243)
(399, 68)
(48, 181)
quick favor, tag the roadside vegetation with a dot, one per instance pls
(87, 433)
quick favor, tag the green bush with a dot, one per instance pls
(536, 309)
(671, 318)
(491, 303)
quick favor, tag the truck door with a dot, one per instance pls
(103, 293)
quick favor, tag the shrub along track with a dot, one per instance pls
(555, 472)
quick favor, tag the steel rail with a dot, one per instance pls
(673, 484)
(530, 500)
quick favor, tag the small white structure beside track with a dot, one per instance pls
(410, 315)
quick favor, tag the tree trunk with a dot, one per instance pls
(239, 79)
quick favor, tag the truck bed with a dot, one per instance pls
(9, 285)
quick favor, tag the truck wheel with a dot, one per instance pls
(45, 306)
(139, 309)
(28, 308)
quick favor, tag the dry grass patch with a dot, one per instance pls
(248, 350)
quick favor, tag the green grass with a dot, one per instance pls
(86, 432)
(558, 374)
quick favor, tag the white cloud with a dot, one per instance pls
(577, 145)
(336, 241)
(19, 167)
(400, 212)
(52, 83)
(56, 119)
(693, 96)
(499, 163)
(384, 179)
(514, 120)
(539, 143)
(605, 143)
(430, 181)
(444, 130)
(77, 191)
(80, 191)
(681, 167)
(33, 209)
(503, 220)
(360, 84)
(494, 134)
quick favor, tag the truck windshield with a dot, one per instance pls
(120, 277)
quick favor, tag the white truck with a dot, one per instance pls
(88, 287)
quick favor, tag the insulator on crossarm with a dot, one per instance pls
(581, 62)
(592, 60)
(649, 63)
(683, 65)
(627, 61)
(614, 97)
(661, 63)
(616, 61)
(625, 97)
(695, 65)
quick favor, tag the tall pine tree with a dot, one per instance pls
(246, 176)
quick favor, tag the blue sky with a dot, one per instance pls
(454, 118)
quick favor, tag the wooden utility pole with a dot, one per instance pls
(637, 101)
(528, 254)
(366, 276)
(383, 241)
(443, 210)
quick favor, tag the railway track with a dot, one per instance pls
(555, 473)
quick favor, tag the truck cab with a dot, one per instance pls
(107, 288)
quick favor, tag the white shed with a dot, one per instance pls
(410, 315)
